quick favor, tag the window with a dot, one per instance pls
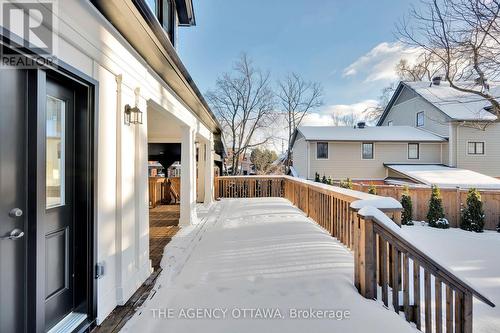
(322, 150)
(55, 162)
(413, 151)
(475, 148)
(164, 10)
(389, 123)
(367, 151)
(167, 19)
(152, 4)
(420, 119)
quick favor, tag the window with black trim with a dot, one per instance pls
(322, 150)
(413, 151)
(420, 119)
(475, 148)
(367, 149)
(164, 10)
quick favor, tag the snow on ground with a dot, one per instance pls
(472, 256)
(252, 259)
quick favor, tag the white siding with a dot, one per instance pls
(344, 159)
(405, 113)
(300, 157)
(489, 163)
(92, 45)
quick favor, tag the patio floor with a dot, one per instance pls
(250, 260)
(163, 225)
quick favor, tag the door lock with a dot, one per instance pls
(14, 234)
(16, 212)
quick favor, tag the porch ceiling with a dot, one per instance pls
(163, 127)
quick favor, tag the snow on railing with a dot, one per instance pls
(385, 262)
(388, 265)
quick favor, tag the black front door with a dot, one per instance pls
(58, 215)
(46, 231)
(13, 200)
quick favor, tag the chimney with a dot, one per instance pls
(361, 124)
(436, 80)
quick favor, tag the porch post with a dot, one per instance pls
(188, 178)
(209, 171)
(200, 190)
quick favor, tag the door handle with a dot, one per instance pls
(16, 212)
(14, 234)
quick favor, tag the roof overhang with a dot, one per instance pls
(138, 25)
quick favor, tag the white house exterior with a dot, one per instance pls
(472, 131)
(74, 222)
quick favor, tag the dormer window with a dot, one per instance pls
(420, 119)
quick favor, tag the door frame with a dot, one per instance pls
(88, 89)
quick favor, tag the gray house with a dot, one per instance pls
(437, 135)
(473, 132)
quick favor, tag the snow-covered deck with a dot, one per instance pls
(251, 259)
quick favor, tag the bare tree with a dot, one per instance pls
(425, 68)
(349, 119)
(463, 35)
(244, 104)
(297, 97)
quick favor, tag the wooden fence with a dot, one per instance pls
(159, 190)
(386, 264)
(453, 201)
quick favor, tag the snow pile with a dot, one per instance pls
(256, 258)
(472, 256)
(446, 177)
(380, 203)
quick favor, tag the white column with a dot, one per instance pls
(209, 172)
(200, 195)
(188, 178)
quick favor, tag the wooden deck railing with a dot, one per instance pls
(159, 190)
(386, 264)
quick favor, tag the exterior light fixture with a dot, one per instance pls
(132, 115)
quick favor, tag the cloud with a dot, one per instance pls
(324, 117)
(379, 63)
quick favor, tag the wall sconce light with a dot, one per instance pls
(132, 115)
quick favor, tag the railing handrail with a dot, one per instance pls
(386, 205)
(380, 219)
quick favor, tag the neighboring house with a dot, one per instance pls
(361, 153)
(473, 132)
(245, 165)
(74, 223)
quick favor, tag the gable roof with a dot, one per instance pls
(455, 104)
(385, 134)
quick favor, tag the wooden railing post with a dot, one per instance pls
(365, 258)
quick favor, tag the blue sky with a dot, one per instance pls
(347, 46)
